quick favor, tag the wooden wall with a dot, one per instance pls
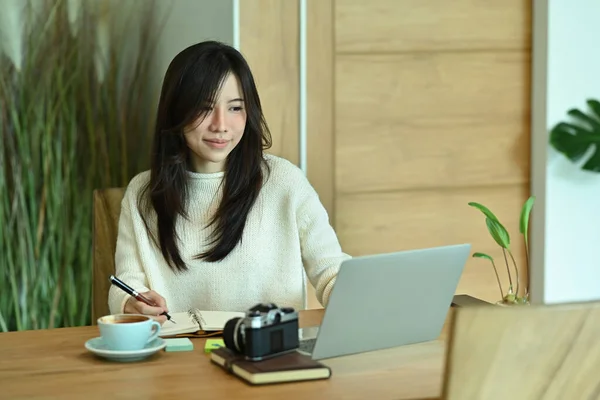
(415, 108)
(269, 32)
(432, 111)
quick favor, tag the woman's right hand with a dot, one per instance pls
(133, 306)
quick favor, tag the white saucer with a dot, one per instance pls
(97, 346)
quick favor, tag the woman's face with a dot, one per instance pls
(219, 130)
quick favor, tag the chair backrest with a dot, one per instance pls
(524, 352)
(107, 209)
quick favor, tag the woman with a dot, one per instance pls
(216, 224)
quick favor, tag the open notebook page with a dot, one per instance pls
(216, 320)
(203, 320)
(184, 324)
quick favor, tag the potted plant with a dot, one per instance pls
(500, 235)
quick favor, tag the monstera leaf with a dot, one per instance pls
(573, 139)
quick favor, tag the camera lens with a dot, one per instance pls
(232, 337)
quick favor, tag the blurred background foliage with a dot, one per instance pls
(76, 111)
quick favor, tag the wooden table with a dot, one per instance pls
(54, 364)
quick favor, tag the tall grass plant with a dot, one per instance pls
(76, 111)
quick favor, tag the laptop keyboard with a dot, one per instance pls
(307, 345)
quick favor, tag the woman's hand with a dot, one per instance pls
(133, 306)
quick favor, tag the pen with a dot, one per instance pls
(127, 289)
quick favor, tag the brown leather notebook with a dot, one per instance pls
(288, 367)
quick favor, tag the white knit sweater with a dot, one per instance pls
(287, 233)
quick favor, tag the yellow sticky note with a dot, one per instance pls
(212, 344)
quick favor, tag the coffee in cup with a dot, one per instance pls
(128, 331)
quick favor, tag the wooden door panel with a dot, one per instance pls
(387, 26)
(386, 222)
(431, 120)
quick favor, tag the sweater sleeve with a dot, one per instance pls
(128, 264)
(321, 251)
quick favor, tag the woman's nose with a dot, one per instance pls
(217, 123)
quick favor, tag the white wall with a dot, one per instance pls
(565, 240)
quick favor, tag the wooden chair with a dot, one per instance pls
(107, 208)
(528, 352)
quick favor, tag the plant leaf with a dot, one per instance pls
(499, 233)
(593, 163)
(484, 210)
(594, 105)
(592, 122)
(524, 220)
(574, 139)
(483, 255)
(496, 229)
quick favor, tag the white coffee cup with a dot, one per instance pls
(128, 331)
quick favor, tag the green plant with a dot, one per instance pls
(575, 139)
(502, 238)
(75, 115)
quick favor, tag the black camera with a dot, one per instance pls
(266, 331)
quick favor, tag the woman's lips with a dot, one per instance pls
(216, 143)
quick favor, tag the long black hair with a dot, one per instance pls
(192, 81)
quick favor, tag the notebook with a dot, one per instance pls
(289, 367)
(197, 323)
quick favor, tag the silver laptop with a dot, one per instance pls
(387, 300)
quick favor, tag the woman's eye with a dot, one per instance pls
(237, 109)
